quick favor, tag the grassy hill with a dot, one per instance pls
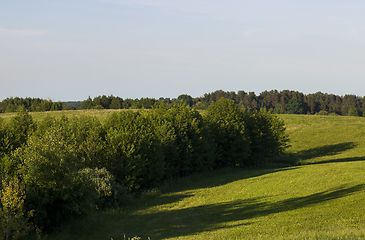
(319, 193)
(101, 114)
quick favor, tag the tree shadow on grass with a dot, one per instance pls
(227, 175)
(203, 180)
(325, 150)
(190, 221)
(211, 217)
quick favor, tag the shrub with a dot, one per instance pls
(266, 135)
(16, 131)
(14, 220)
(86, 134)
(227, 127)
(134, 152)
(192, 141)
(109, 194)
(322, 113)
(48, 167)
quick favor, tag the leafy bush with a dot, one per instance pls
(266, 135)
(192, 142)
(85, 134)
(16, 131)
(322, 113)
(134, 152)
(14, 220)
(109, 194)
(48, 167)
(226, 123)
(70, 166)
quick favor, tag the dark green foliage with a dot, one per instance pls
(286, 101)
(227, 127)
(192, 141)
(187, 99)
(352, 111)
(292, 102)
(48, 167)
(244, 138)
(30, 104)
(108, 193)
(294, 107)
(143, 148)
(73, 165)
(14, 220)
(111, 102)
(72, 104)
(88, 136)
(134, 151)
(15, 132)
(266, 135)
(85, 134)
(87, 104)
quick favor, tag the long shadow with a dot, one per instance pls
(326, 150)
(208, 180)
(189, 221)
(228, 175)
(351, 159)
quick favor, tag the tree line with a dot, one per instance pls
(29, 104)
(57, 169)
(290, 102)
(280, 102)
(286, 101)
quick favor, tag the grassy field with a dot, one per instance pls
(319, 193)
(39, 116)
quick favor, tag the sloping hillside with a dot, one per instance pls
(320, 194)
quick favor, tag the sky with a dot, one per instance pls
(71, 49)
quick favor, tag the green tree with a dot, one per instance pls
(15, 132)
(87, 104)
(294, 107)
(227, 127)
(185, 98)
(116, 103)
(48, 166)
(134, 152)
(266, 135)
(192, 141)
(14, 220)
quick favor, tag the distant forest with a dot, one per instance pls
(280, 102)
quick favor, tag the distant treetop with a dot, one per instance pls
(286, 101)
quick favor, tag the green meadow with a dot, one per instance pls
(315, 191)
(39, 116)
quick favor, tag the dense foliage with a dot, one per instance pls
(71, 166)
(30, 104)
(290, 102)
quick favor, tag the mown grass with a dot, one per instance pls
(319, 193)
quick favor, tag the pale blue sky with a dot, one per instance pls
(70, 49)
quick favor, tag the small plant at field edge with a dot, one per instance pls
(133, 238)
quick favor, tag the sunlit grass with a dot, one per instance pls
(326, 138)
(319, 194)
(39, 116)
